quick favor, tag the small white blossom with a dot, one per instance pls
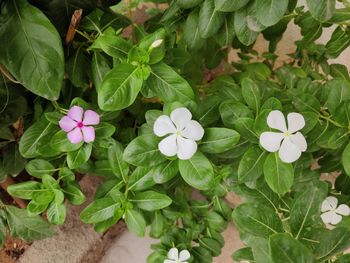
(332, 213)
(175, 257)
(157, 43)
(289, 142)
(182, 131)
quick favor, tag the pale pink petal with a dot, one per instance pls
(186, 148)
(329, 203)
(168, 146)
(67, 124)
(343, 210)
(193, 130)
(299, 140)
(91, 118)
(76, 113)
(163, 126)
(184, 255)
(271, 141)
(88, 133)
(75, 136)
(289, 152)
(327, 217)
(336, 219)
(181, 116)
(173, 254)
(276, 120)
(296, 122)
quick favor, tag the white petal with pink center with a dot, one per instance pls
(289, 142)
(182, 133)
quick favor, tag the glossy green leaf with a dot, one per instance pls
(56, 213)
(165, 171)
(218, 140)
(100, 66)
(192, 37)
(119, 87)
(73, 193)
(278, 175)
(60, 142)
(322, 10)
(99, 210)
(135, 222)
(143, 151)
(24, 190)
(251, 165)
(115, 157)
(151, 200)
(197, 171)
(346, 159)
(35, 55)
(251, 94)
(39, 167)
(210, 19)
(269, 12)
(230, 5)
(79, 157)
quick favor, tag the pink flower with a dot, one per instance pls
(79, 128)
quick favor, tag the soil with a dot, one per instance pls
(12, 250)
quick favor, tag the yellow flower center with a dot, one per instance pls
(286, 134)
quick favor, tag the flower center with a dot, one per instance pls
(80, 124)
(178, 133)
(286, 134)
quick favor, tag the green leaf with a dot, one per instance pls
(99, 210)
(260, 248)
(164, 172)
(278, 175)
(270, 12)
(143, 151)
(165, 83)
(115, 157)
(210, 19)
(135, 222)
(346, 158)
(251, 165)
(37, 64)
(331, 243)
(56, 213)
(251, 94)
(218, 140)
(24, 190)
(188, 3)
(231, 111)
(211, 245)
(242, 254)
(100, 66)
(191, 31)
(151, 200)
(230, 5)
(77, 68)
(60, 142)
(3, 231)
(74, 194)
(119, 87)
(257, 219)
(27, 227)
(13, 162)
(322, 10)
(197, 171)
(226, 33)
(243, 32)
(39, 167)
(339, 91)
(28, 145)
(80, 156)
(158, 225)
(285, 249)
(141, 179)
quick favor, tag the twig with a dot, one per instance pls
(74, 23)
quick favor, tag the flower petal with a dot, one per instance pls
(289, 152)
(168, 145)
(169, 261)
(336, 219)
(193, 130)
(67, 124)
(184, 255)
(186, 148)
(327, 217)
(88, 133)
(75, 136)
(91, 118)
(76, 113)
(343, 210)
(181, 116)
(329, 203)
(296, 122)
(163, 126)
(299, 140)
(276, 120)
(271, 141)
(173, 254)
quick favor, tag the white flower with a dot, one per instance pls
(157, 43)
(175, 257)
(183, 134)
(293, 142)
(331, 213)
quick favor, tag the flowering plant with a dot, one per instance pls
(141, 106)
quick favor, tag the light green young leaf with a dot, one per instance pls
(135, 222)
(151, 200)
